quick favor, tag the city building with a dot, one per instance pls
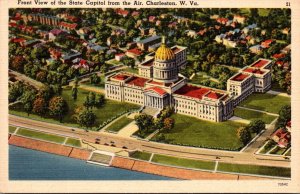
(145, 43)
(160, 84)
(253, 78)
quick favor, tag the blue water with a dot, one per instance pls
(26, 164)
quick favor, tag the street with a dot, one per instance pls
(152, 147)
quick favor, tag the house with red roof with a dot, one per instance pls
(119, 56)
(151, 18)
(267, 43)
(282, 137)
(134, 53)
(55, 33)
(222, 20)
(67, 26)
(122, 12)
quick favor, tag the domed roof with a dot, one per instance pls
(164, 53)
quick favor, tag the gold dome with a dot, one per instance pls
(164, 53)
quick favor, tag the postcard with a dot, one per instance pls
(149, 96)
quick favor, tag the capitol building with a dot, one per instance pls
(159, 84)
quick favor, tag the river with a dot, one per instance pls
(27, 164)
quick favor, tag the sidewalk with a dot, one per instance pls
(128, 130)
(273, 114)
(278, 93)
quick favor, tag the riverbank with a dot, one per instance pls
(126, 163)
(48, 147)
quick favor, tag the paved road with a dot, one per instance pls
(132, 144)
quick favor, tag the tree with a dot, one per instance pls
(104, 68)
(40, 106)
(58, 107)
(144, 122)
(74, 92)
(168, 123)
(57, 89)
(15, 91)
(94, 79)
(128, 62)
(100, 100)
(92, 99)
(41, 76)
(284, 116)
(87, 118)
(256, 126)
(27, 99)
(158, 123)
(18, 63)
(244, 135)
(45, 92)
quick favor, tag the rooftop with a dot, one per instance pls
(148, 63)
(192, 91)
(260, 63)
(157, 90)
(120, 77)
(240, 77)
(149, 39)
(253, 70)
(214, 95)
(135, 51)
(137, 81)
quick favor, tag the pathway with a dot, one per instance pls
(240, 120)
(278, 93)
(128, 130)
(273, 114)
(152, 134)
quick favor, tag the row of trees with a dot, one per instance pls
(44, 102)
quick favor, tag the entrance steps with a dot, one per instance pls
(151, 111)
(101, 158)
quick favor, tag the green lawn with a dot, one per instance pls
(110, 109)
(130, 70)
(73, 142)
(40, 135)
(278, 151)
(114, 62)
(189, 163)
(141, 155)
(12, 129)
(266, 102)
(191, 131)
(253, 115)
(198, 78)
(253, 169)
(269, 145)
(100, 85)
(119, 124)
